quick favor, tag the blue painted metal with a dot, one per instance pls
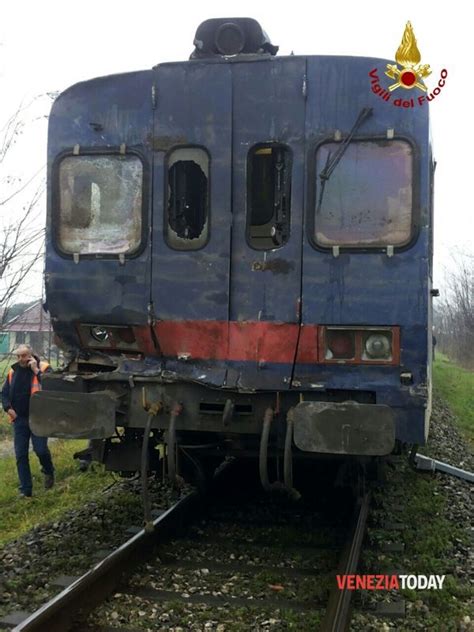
(370, 288)
(193, 107)
(99, 289)
(227, 107)
(268, 106)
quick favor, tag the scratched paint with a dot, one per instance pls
(226, 314)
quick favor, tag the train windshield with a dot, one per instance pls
(100, 204)
(368, 199)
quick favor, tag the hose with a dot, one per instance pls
(263, 457)
(171, 448)
(148, 521)
(294, 494)
(288, 456)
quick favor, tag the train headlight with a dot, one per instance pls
(99, 333)
(113, 337)
(378, 347)
(359, 345)
(340, 344)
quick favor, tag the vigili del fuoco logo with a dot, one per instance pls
(408, 73)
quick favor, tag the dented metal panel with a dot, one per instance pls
(371, 286)
(205, 307)
(347, 428)
(100, 116)
(194, 106)
(268, 107)
(72, 415)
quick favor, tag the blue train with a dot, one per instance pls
(239, 260)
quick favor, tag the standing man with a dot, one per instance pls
(24, 379)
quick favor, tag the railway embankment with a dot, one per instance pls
(428, 517)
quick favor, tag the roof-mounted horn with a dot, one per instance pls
(231, 36)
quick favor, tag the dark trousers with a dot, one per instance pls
(22, 434)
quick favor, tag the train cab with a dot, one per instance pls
(239, 257)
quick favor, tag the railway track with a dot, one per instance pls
(85, 593)
(257, 565)
(338, 613)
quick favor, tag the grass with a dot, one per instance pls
(72, 489)
(452, 383)
(429, 537)
(456, 386)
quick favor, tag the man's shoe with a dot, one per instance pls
(22, 495)
(48, 481)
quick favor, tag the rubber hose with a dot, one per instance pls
(144, 476)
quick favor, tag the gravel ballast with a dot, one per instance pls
(29, 564)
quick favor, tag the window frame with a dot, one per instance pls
(166, 169)
(313, 192)
(56, 199)
(255, 147)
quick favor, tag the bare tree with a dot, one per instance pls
(454, 317)
(21, 228)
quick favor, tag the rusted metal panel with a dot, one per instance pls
(277, 266)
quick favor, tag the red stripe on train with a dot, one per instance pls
(247, 341)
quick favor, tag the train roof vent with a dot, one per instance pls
(231, 36)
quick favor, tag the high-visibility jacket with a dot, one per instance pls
(35, 383)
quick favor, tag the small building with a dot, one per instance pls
(32, 327)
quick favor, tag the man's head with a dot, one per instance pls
(24, 353)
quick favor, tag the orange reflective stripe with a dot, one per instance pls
(35, 385)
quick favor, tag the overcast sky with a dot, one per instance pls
(49, 45)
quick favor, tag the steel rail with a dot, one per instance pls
(92, 588)
(337, 617)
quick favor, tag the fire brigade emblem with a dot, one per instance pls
(408, 57)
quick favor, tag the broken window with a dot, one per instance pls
(100, 204)
(367, 200)
(187, 224)
(269, 196)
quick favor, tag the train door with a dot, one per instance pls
(191, 212)
(268, 160)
